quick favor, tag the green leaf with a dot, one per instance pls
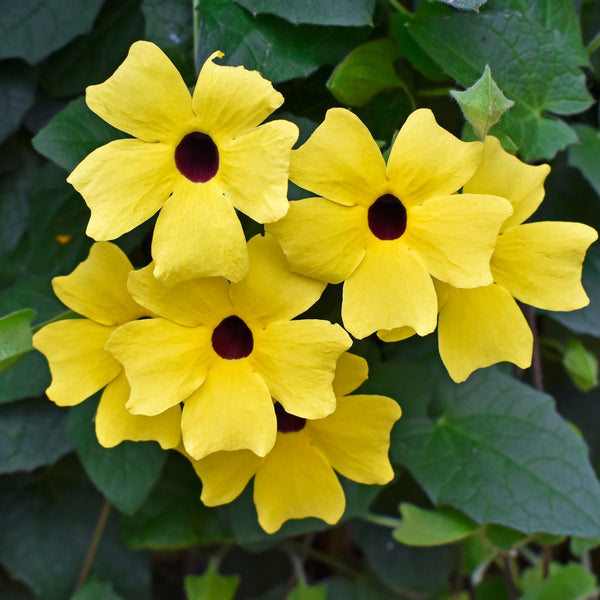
(173, 516)
(501, 537)
(341, 13)
(580, 546)
(96, 590)
(15, 337)
(585, 156)
(17, 95)
(483, 103)
(432, 528)
(124, 474)
(278, 49)
(464, 4)
(72, 134)
(357, 589)
(211, 586)
(308, 592)
(581, 365)
(531, 55)
(500, 453)
(33, 29)
(29, 377)
(570, 582)
(366, 71)
(32, 433)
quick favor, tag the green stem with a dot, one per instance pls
(333, 563)
(383, 520)
(396, 4)
(509, 576)
(196, 16)
(298, 567)
(536, 360)
(593, 45)
(434, 92)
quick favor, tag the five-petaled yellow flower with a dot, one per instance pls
(296, 479)
(225, 349)
(196, 159)
(386, 230)
(79, 364)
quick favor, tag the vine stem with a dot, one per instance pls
(93, 547)
(196, 26)
(536, 361)
(513, 592)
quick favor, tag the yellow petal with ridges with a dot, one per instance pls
(145, 96)
(322, 239)
(427, 161)
(356, 437)
(296, 481)
(480, 327)
(164, 362)
(455, 236)
(97, 287)
(233, 410)
(78, 363)
(340, 161)
(350, 372)
(391, 288)
(114, 424)
(503, 174)
(297, 360)
(540, 263)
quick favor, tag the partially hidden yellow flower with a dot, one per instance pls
(97, 290)
(224, 349)
(196, 159)
(386, 230)
(296, 479)
(536, 263)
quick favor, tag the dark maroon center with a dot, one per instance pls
(232, 339)
(197, 157)
(387, 217)
(287, 423)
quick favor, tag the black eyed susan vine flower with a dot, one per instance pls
(196, 159)
(297, 479)
(386, 230)
(79, 364)
(225, 349)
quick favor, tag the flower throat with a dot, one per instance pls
(197, 157)
(387, 217)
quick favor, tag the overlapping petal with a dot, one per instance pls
(540, 263)
(164, 362)
(455, 236)
(350, 372)
(146, 96)
(427, 161)
(340, 161)
(114, 424)
(395, 335)
(296, 481)
(297, 361)
(480, 327)
(232, 410)
(322, 239)
(391, 288)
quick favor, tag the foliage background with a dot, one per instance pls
(505, 464)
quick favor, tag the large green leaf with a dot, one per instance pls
(17, 94)
(500, 453)
(96, 590)
(570, 582)
(15, 337)
(126, 473)
(33, 29)
(211, 586)
(29, 377)
(586, 155)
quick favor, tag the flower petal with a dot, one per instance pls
(356, 437)
(480, 327)
(233, 410)
(78, 363)
(124, 183)
(271, 292)
(395, 335)
(114, 424)
(350, 372)
(391, 288)
(427, 161)
(145, 96)
(503, 174)
(322, 239)
(340, 161)
(190, 303)
(255, 169)
(198, 234)
(540, 263)
(97, 287)
(224, 475)
(297, 360)
(295, 481)
(164, 362)
(455, 236)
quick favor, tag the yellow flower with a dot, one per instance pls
(296, 479)
(97, 289)
(536, 263)
(196, 159)
(224, 349)
(385, 230)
